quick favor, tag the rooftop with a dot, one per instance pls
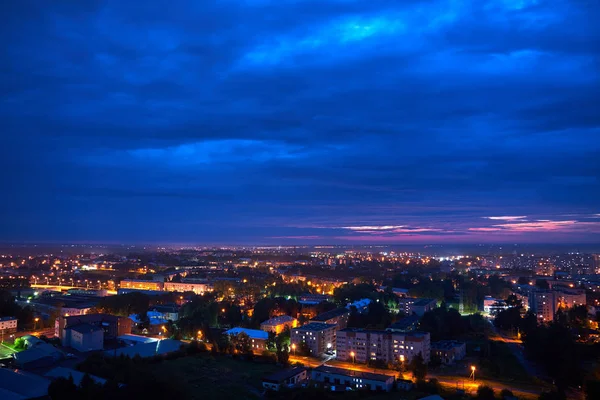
(314, 326)
(330, 314)
(85, 328)
(283, 375)
(423, 302)
(446, 344)
(252, 333)
(7, 318)
(355, 374)
(62, 372)
(282, 319)
(17, 384)
(147, 349)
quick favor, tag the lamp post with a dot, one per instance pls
(294, 348)
(35, 321)
(473, 372)
(352, 355)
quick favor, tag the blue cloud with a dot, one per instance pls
(247, 121)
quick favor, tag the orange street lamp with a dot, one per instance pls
(294, 348)
(352, 355)
(35, 320)
(473, 372)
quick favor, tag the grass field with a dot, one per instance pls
(5, 351)
(205, 377)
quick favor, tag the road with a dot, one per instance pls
(516, 347)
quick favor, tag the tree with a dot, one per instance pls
(20, 344)
(63, 389)
(542, 284)
(513, 301)
(271, 342)
(418, 367)
(283, 356)
(485, 392)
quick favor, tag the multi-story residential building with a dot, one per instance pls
(8, 324)
(319, 337)
(545, 303)
(141, 284)
(196, 287)
(361, 345)
(421, 306)
(412, 305)
(279, 324)
(449, 351)
(337, 317)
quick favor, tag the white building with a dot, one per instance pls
(8, 324)
(319, 337)
(198, 288)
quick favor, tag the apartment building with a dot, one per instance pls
(337, 317)
(319, 337)
(361, 345)
(412, 305)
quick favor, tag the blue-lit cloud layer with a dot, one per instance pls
(300, 121)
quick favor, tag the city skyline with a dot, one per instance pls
(300, 122)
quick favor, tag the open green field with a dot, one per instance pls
(206, 377)
(5, 351)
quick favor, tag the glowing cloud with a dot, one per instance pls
(507, 218)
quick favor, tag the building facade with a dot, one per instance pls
(8, 324)
(112, 325)
(333, 376)
(361, 345)
(279, 324)
(449, 351)
(198, 288)
(319, 337)
(141, 284)
(84, 337)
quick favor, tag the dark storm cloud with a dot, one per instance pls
(274, 121)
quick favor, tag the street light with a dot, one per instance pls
(352, 355)
(35, 320)
(294, 348)
(473, 372)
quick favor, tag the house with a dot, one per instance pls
(319, 337)
(38, 355)
(258, 338)
(362, 305)
(169, 312)
(156, 325)
(285, 378)
(449, 351)
(338, 317)
(279, 324)
(404, 384)
(84, 337)
(334, 376)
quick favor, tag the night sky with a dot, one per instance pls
(300, 122)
